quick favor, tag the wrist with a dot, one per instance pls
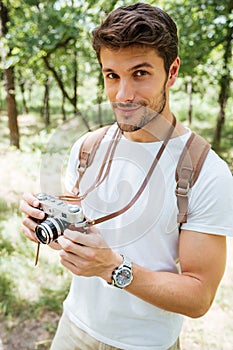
(116, 261)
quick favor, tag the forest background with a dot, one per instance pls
(51, 92)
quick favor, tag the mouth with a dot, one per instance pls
(126, 109)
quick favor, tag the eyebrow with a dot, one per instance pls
(138, 66)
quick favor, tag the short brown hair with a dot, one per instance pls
(138, 25)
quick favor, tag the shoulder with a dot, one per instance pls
(105, 132)
(211, 198)
(215, 179)
(215, 167)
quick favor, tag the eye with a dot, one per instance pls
(140, 73)
(112, 76)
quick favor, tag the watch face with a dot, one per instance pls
(123, 277)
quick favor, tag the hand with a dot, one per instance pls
(88, 254)
(29, 206)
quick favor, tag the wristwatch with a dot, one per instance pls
(122, 276)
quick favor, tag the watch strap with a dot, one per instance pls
(126, 264)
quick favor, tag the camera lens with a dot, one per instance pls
(49, 230)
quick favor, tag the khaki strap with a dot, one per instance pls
(87, 153)
(187, 171)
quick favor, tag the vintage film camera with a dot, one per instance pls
(59, 216)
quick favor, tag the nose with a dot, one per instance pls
(125, 92)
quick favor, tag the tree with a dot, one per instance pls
(50, 35)
(206, 26)
(8, 71)
(226, 39)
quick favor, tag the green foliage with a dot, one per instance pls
(202, 27)
(51, 299)
(4, 208)
(7, 248)
(52, 40)
(61, 33)
(9, 300)
(24, 290)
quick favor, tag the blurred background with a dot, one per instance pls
(51, 83)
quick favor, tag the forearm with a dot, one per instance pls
(172, 292)
(202, 260)
(190, 293)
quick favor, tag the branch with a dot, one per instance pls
(59, 45)
(58, 80)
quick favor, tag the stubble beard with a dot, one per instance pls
(142, 117)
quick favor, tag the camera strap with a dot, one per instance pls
(86, 158)
(86, 155)
(187, 171)
(144, 183)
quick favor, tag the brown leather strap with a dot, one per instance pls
(144, 183)
(187, 171)
(87, 153)
(106, 164)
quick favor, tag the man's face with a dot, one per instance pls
(135, 83)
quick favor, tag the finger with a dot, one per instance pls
(76, 264)
(70, 266)
(31, 211)
(71, 257)
(29, 233)
(70, 246)
(74, 251)
(75, 236)
(90, 239)
(31, 199)
(29, 223)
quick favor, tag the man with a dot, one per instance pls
(134, 276)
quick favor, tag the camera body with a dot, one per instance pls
(59, 216)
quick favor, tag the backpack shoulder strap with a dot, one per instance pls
(87, 152)
(187, 171)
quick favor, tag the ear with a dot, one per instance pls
(173, 72)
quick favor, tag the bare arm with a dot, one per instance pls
(202, 259)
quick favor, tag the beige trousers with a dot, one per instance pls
(70, 337)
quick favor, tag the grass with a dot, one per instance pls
(27, 293)
(22, 286)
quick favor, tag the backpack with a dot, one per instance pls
(187, 170)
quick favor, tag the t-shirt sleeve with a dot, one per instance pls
(211, 199)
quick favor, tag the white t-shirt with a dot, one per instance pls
(147, 233)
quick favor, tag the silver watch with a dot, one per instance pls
(122, 276)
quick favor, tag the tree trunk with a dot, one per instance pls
(75, 79)
(46, 112)
(100, 122)
(21, 83)
(225, 82)
(223, 97)
(190, 95)
(9, 85)
(64, 92)
(63, 109)
(2, 100)
(100, 98)
(11, 107)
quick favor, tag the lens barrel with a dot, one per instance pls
(50, 229)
